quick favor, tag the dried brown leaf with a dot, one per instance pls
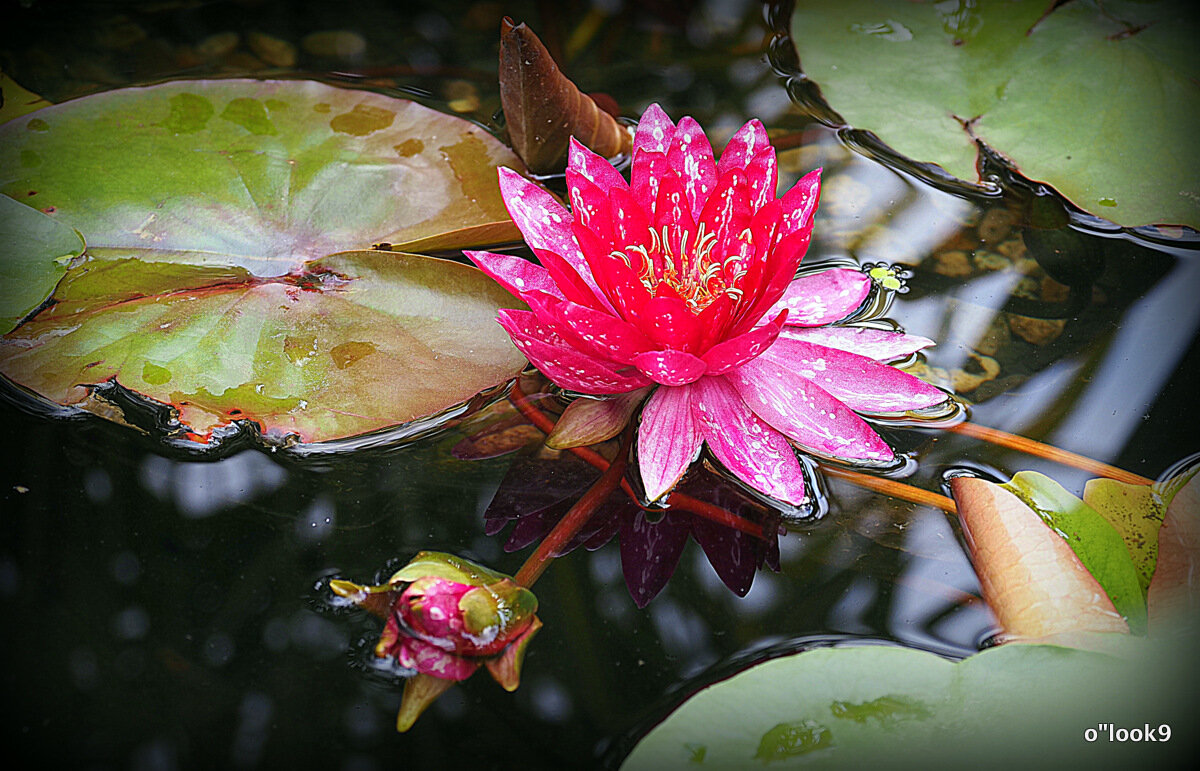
(543, 108)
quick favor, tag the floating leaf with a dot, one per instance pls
(220, 278)
(543, 108)
(16, 101)
(1098, 545)
(1031, 578)
(1137, 513)
(886, 707)
(1174, 596)
(34, 253)
(1098, 100)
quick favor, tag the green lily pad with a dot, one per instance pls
(1096, 100)
(1136, 511)
(1094, 540)
(34, 254)
(226, 272)
(888, 707)
(16, 101)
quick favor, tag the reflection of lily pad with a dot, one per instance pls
(1099, 100)
(220, 278)
(887, 707)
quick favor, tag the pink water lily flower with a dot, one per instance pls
(683, 279)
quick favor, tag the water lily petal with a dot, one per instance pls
(736, 351)
(570, 284)
(431, 660)
(878, 344)
(727, 212)
(800, 202)
(670, 367)
(763, 175)
(669, 322)
(516, 274)
(543, 221)
(590, 331)
(521, 276)
(791, 248)
(563, 364)
(691, 156)
(770, 271)
(758, 454)
(589, 203)
(749, 141)
(673, 211)
(668, 439)
(714, 321)
(805, 413)
(758, 265)
(618, 282)
(815, 299)
(582, 163)
(630, 223)
(863, 384)
(650, 144)
(655, 131)
(588, 421)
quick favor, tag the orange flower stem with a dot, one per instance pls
(678, 501)
(576, 518)
(1049, 452)
(893, 488)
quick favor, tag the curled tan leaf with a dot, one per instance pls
(543, 108)
(1174, 595)
(1031, 578)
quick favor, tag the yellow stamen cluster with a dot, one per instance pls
(686, 265)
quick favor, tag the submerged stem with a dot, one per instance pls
(577, 517)
(1047, 451)
(893, 488)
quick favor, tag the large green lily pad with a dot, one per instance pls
(229, 270)
(1098, 100)
(887, 707)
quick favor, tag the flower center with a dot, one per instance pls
(686, 264)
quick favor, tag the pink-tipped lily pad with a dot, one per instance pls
(237, 262)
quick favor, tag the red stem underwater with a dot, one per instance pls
(577, 517)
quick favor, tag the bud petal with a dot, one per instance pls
(419, 693)
(505, 669)
(441, 565)
(375, 599)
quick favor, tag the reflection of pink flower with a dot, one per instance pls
(683, 279)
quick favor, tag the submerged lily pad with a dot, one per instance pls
(225, 273)
(1098, 100)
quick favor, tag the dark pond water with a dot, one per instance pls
(162, 612)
